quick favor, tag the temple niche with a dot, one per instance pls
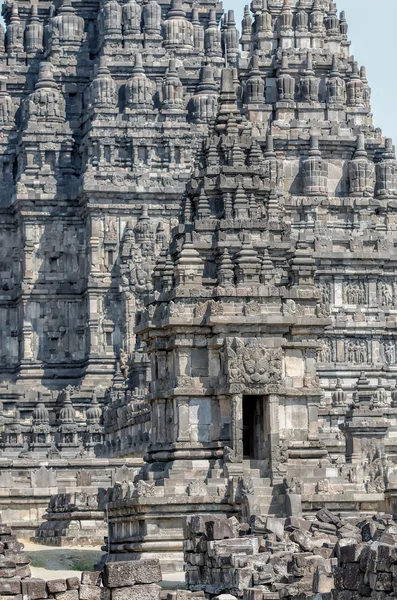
(198, 276)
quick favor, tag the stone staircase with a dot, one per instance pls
(270, 503)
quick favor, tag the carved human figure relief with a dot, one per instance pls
(385, 294)
(389, 350)
(325, 353)
(356, 352)
(355, 293)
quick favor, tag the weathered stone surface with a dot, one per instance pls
(91, 578)
(137, 592)
(10, 586)
(34, 588)
(56, 585)
(68, 595)
(72, 583)
(128, 573)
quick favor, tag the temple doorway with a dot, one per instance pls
(255, 427)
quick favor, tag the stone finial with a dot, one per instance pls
(361, 171)
(286, 17)
(7, 107)
(301, 19)
(355, 88)
(151, 18)
(173, 98)
(198, 32)
(15, 31)
(110, 18)
(178, 31)
(40, 414)
(188, 265)
(46, 103)
(94, 412)
(131, 18)
(386, 172)
(144, 228)
(67, 28)
(226, 269)
(285, 82)
(240, 203)
(343, 24)
(255, 84)
(317, 18)
(212, 37)
(336, 87)
(203, 207)
(34, 32)
(103, 88)
(139, 89)
(231, 39)
(314, 170)
(309, 83)
(204, 104)
(246, 23)
(367, 89)
(67, 414)
(248, 264)
(331, 21)
(338, 395)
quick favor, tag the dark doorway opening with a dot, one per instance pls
(254, 425)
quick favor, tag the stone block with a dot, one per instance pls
(14, 545)
(292, 523)
(23, 571)
(93, 592)
(5, 530)
(68, 595)
(137, 592)
(19, 558)
(219, 529)
(56, 585)
(6, 563)
(34, 588)
(246, 545)
(127, 573)
(348, 552)
(6, 573)
(72, 583)
(91, 578)
(326, 516)
(10, 586)
(276, 526)
(253, 594)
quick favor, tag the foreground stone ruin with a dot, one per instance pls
(322, 558)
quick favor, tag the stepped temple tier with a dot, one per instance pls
(198, 300)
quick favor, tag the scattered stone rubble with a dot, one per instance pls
(128, 580)
(319, 558)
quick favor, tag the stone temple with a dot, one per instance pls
(198, 304)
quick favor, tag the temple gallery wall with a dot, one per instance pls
(198, 300)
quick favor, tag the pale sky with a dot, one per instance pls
(372, 31)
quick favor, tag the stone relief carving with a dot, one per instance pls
(356, 352)
(250, 365)
(389, 351)
(355, 293)
(385, 294)
(326, 352)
